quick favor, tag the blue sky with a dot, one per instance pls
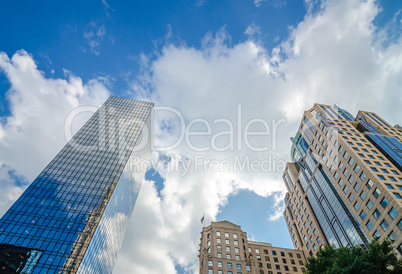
(55, 33)
(273, 58)
(249, 210)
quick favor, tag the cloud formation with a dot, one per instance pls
(106, 8)
(94, 34)
(274, 3)
(34, 131)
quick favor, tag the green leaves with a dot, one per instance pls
(378, 258)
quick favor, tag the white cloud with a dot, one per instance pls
(94, 34)
(34, 132)
(106, 8)
(10, 191)
(146, 226)
(274, 3)
(278, 207)
(253, 30)
(208, 84)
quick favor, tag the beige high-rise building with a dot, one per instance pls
(225, 249)
(345, 180)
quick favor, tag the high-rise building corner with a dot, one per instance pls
(72, 218)
(345, 180)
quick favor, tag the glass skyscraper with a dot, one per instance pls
(73, 216)
(345, 180)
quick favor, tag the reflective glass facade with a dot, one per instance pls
(389, 146)
(337, 223)
(73, 216)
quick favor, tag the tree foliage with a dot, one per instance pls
(378, 258)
